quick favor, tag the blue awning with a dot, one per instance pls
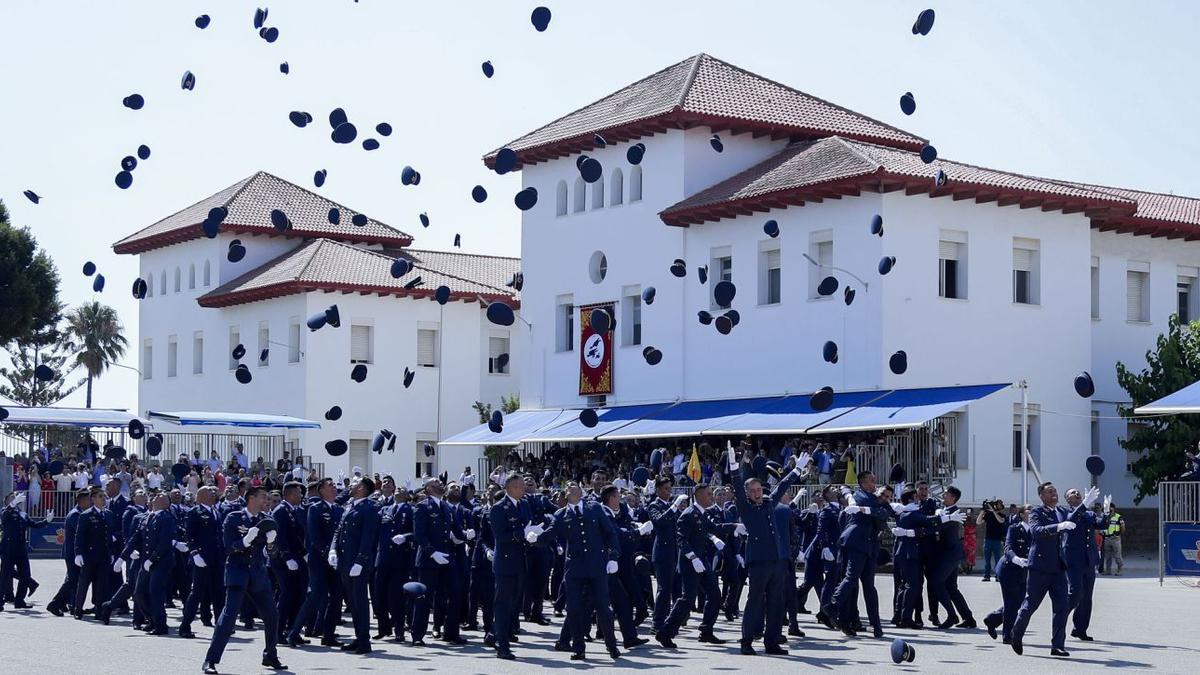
(1186, 400)
(69, 417)
(517, 426)
(610, 420)
(905, 408)
(233, 419)
(791, 414)
(688, 418)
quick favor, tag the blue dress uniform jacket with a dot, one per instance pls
(356, 536)
(160, 534)
(764, 542)
(70, 526)
(204, 535)
(322, 522)
(245, 577)
(1047, 572)
(666, 541)
(289, 540)
(1048, 553)
(393, 520)
(433, 521)
(1013, 578)
(862, 531)
(508, 520)
(589, 539)
(92, 539)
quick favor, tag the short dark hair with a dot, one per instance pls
(370, 484)
(514, 478)
(292, 486)
(908, 496)
(82, 495)
(609, 492)
(664, 480)
(254, 490)
(862, 475)
(954, 491)
(1043, 486)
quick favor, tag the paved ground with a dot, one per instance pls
(1138, 625)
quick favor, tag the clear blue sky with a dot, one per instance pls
(1100, 91)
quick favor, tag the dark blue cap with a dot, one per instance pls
(648, 295)
(415, 588)
(284, 68)
(488, 69)
(359, 372)
(236, 252)
(189, 81)
(370, 144)
(526, 199)
(540, 18)
(383, 129)
(1094, 464)
(334, 413)
(242, 374)
(143, 152)
(344, 133)
(588, 417)
(128, 163)
(821, 399)
(98, 283)
(724, 324)
(500, 314)
(517, 281)
(640, 475)
(89, 268)
(1084, 385)
(337, 448)
(928, 153)
(262, 356)
(280, 220)
(32, 196)
(212, 223)
(652, 355)
(702, 274)
(319, 177)
(705, 317)
(400, 267)
(408, 376)
(656, 460)
(830, 351)
(332, 316)
(924, 22)
(43, 372)
(886, 263)
(300, 118)
(771, 228)
(848, 295)
(457, 240)
(828, 286)
(679, 268)
(202, 21)
(136, 429)
(407, 174)
(940, 179)
(442, 295)
(601, 320)
(591, 170)
(139, 288)
(506, 160)
(635, 153)
(414, 282)
(898, 363)
(734, 316)
(337, 117)
(317, 321)
(359, 220)
(599, 141)
(502, 360)
(479, 194)
(716, 143)
(908, 104)
(496, 422)
(335, 216)
(123, 180)
(134, 101)
(724, 292)
(877, 225)
(238, 352)
(901, 650)
(260, 17)
(424, 218)
(269, 34)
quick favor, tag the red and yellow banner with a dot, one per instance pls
(595, 353)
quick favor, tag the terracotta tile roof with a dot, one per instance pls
(832, 167)
(325, 264)
(702, 90)
(1157, 213)
(250, 202)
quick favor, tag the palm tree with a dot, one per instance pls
(97, 330)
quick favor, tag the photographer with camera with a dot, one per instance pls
(994, 519)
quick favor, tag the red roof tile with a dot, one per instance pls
(1157, 214)
(250, 202)
(702, 90)
(324, 264)
(831, 167)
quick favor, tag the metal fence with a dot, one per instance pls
(69, 442)
(1178, 529)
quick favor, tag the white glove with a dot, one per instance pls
(146, 566)
(852, 509)
(1068, 525)
(897, 508)
(536, 530)
(251, 534)
(902, 532)
(470, 534)
(271, 535)
(118, 565)
(341, 475)
(716, 542)
(698, 566)
(79, 561)
(740, 560)
(135, 555)
(1107, 504)
(559, 550)
(400, 539)
(803, 460)
(491, 555)
(739, 530)
(957, 516)
(679, 502)
(1020, 562)
(645, 528)
(1091, 497)
(50, 514)
(181, 547)
(803, 492)
(611, 567)
(731, 456)
(827, 555)
(332, 558)
(531, 537)
(440, 558)
(198, 561)
(455, 539)
(292, 565)
(800, 557)
(812, 508)
(355, 570)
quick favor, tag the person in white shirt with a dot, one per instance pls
(64, 481)
(154, 479)
(82, 476)
(678, 462)
(466, 477)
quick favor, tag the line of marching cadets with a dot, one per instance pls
(441, 556)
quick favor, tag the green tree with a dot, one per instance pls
(97, 331)
(508, 404)
(28, 283)
(49, 347)
(1173, 364)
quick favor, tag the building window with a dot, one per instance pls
(580, 195)
(192, 276)
(561, 207)
(150, 287)
(1034, 448)
(264, 344)
(361, 344)
(598, 194)
(178, 278)
(198, 353)
(1095, 287)
(207, 274)
(427, 347)
(172, 356)
(616, 190)
(294, 341)
(147, 360)
(162, 282)
(235, 339)
(820, 249)
(497, 345)
(1026, 271)
(564, 321)
(360, 455)
(598, 267)
(952, 265)
(720, 268)
(635, 184)
(631, 316)
(1137, 292)
(422, 469)
(1185, 294)
(770, 277)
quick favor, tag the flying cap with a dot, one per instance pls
(488, 69)
(540, 18)
(908, 104)
(334, 413)
(500, 314)
(771, 228)
(821, 399)
(336, 448)
(526, 199)
(588, 417)
(652, 355)
(1084, 385)
(359, 372)
(648, 295)
(898, 363)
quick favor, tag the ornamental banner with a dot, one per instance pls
(595, 353)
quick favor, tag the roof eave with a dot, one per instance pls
(293, 287)
(190, 232)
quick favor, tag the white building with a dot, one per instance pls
(200, 306)
(999, 277)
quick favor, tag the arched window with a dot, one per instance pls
(635, 184)
(580, 195)
(616, 189)
(598, 194)
(562, 198)
(191, 276)
(150, 287)
(162, 283)
(206, 274)
(178, 278)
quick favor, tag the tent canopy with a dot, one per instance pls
(70, 417)
(1186, 400)
(232, 419)
(517, 425)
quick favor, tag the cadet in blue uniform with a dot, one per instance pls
(700, 543)
(950, 555)
(433, 525)
(664, 512)
(733, 562)
(859, 542)
(323, 602)
(814, 571)
(287, 563)
(1011, 572)
(133, 552)
(1048, 565)
(393, 565)
(207, 558)
(14, 549)
(539, 557)
(510, 521)
(161, 529)
(93, 546)
(621, 584)
(65, 597)
(1082, 561)
(246, 534)
(765, 547)
(483, 578)
(906, 557)
(353, 555)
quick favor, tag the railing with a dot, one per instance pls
(1178, 528)
(268, 447)
(1179, 502)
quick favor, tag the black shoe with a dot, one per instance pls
(273, 663)
(558, 612)
(330, 642)
(991, 627)
(208, 668)
(104, 613)
(159, 631)
(541, 621)
(776, 650)
(823, 619)
(248, 625)
(967, 623)
(710, 639)
(350, 646)
(635, 642)
(506, 655)
(562, 647)
(577, 657)
(794, 631)
(1007, 641)
(296, 642)
(418, 643)
(665, 641)
(363, 650)
(454, 641)
(206, 623)
(489, 641)
(877, 631)
(381, 635)
(21, 605)
(849, 631)
(185, 632)
(614, 654)
(1082, 635)
(437, 634)
(1055, 651)
(948, 623)
(918, 624)
(1017, 646)
(986, 579)
(473, 627)
(33, 586)
(54, 609)
(748, 649)
(934, 620)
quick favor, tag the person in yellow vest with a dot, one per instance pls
(1112, 540)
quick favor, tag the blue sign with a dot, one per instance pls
(1183, 549)
(46, 541)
